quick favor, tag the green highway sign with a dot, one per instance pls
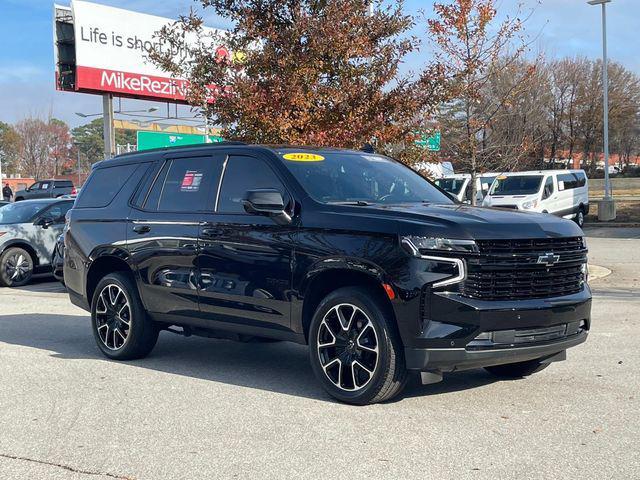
(149, 140)
(432, 143)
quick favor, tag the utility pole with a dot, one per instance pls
(78, 148)
(607, 206)
(109, 133)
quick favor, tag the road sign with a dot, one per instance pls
(149, 140)
(432, 143)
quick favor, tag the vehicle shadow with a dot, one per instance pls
(611, 232)
(281, 367)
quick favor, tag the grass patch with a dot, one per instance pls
(626, 212)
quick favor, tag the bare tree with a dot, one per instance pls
(472, 49)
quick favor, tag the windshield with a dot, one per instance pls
(451, 185)
(20, 212)
(347, 177)
(517, 185)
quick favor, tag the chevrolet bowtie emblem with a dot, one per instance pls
(548, 259)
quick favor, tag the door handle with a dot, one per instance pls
(212, 232)
(142, 229)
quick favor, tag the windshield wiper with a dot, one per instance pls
(358, 203)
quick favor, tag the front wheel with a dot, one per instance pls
(517, 370)
(16, 267)
(355, 349)
(121, 327)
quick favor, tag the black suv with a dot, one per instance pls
(374, 267)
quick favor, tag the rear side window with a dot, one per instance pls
(63, 184)
(184, 185)
(103, 185)
(241, 175)
(572, 180)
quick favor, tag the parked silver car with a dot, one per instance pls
(28, 234)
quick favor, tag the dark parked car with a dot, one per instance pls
(352, 253)
(46, 189)
(28, 233)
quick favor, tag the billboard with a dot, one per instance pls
(111, 46)
(148, 140)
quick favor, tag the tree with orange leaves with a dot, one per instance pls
(316, 72)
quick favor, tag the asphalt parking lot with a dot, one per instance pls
(199, 408)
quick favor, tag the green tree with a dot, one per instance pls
(304, 71)
(90, 140)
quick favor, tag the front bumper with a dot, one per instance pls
(456, 359)
(522, 330)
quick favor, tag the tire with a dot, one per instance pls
(517, 370)
(16, 267)
(370, 342)
(116, 338)
(579, 218)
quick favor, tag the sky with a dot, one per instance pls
(560, 28)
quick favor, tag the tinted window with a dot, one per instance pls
(103, 185)
(572, 180)
(241, 175)
(63, 183)
(347, 177)
(582, 179)
(184, 185)
(451, 185)
(548, 188)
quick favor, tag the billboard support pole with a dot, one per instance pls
(109, 136)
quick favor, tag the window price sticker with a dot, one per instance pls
(191, 181)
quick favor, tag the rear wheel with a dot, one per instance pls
(16, 267)
(355, 349)
(579, 218)
(120, 324)
(517, 370)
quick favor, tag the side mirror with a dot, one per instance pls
(44, 222)
(269, 203)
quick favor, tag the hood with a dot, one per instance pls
(465, 221)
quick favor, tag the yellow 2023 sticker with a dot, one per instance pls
(303, 157)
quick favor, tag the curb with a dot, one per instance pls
(597, 272)
(612, 225)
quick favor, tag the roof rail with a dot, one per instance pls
(182, 147)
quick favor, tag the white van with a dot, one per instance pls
(564, 193)
(459, 185)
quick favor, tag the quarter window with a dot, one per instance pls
(103, 185)
(241, 175)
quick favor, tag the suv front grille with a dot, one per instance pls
(511, 269)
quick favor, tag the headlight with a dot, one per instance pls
(530, 204)
(414, 245)
(428, 248)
